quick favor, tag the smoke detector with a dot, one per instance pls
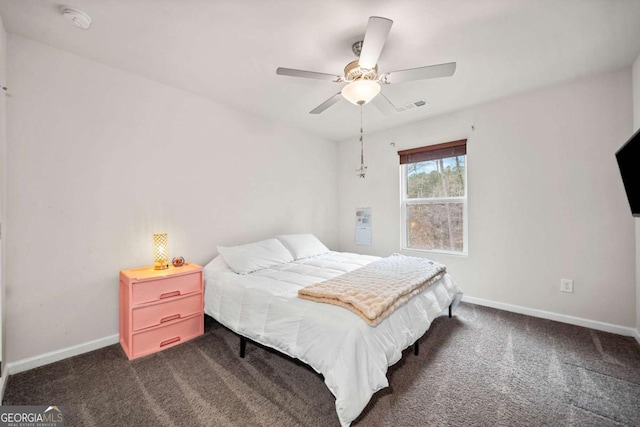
(76, 17)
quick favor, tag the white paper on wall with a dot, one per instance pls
(363, 226)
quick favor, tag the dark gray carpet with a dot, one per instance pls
(482, 367)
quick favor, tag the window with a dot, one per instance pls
(434, 197)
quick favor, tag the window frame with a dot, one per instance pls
(405, 201)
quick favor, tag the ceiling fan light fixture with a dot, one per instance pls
(361, 92)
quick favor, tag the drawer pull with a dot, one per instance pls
(169, 318)
(170, 341)
(170, 294)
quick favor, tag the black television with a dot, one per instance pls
(628, 157)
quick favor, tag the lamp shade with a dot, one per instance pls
(361, 91)
(160, 251)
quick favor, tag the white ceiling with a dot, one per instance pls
(228, 50)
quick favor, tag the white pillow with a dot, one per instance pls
(217, 265)
(303, 245)
(256, 256)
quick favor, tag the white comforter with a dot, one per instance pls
(352, 356)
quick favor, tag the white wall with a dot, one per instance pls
(636, 126)
(99, 159)
(636, 93)
(545, 197)
(3, 146)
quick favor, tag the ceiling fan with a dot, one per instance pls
(362, 77)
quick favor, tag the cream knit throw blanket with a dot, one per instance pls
(376, 290)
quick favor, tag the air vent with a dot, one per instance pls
(411, 105)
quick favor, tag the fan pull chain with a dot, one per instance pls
(363, 168)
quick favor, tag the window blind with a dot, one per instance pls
(433, 152)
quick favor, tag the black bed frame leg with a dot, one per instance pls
(243, 346)
(450, 309)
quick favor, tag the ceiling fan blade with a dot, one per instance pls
(383, 105)
(308, 74)
(326, 104)
(420, 73)
(377, 31)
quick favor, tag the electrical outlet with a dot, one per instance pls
(566, 285)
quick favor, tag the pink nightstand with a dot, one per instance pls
(160, 308)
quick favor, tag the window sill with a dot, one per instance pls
(439, 252)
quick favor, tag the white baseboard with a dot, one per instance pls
(54, 356)
(578, 321)
(3, 382)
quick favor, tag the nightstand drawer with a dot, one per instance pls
(155, 290)
(163, 312)
(162, 337)
(160, 308)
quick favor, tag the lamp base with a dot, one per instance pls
(161, 265)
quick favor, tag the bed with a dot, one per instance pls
(258, 300)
